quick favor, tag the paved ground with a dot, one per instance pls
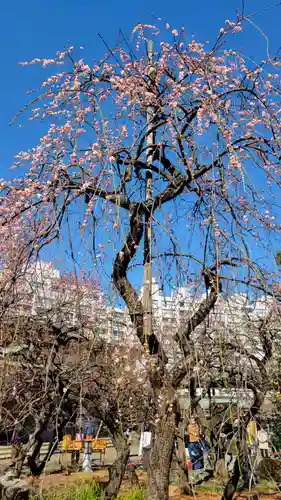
(65, 459)
(110, 455)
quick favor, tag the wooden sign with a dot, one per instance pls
(65, 442)
(75, 445)
(99, 444)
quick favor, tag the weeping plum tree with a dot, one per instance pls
(203, 122)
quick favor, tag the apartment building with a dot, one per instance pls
(44, 291)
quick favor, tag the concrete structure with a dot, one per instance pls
(43, 291)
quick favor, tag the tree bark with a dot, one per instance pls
(37, 469)
(162, 450)
(118, 468)
(181, 461)
(232, 484)
(13, 488)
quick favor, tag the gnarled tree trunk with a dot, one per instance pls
(162, 448)
(119, 466)
(181, 461)
(13, 488)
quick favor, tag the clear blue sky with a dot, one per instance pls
(38, 28)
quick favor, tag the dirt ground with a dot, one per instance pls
(50, 481)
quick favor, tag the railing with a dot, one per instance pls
(5, 451)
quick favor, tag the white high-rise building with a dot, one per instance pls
(43, 291)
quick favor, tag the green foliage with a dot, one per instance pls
(210, 487)
(136, 494)
(86, 491)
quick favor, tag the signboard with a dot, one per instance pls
(99, 444)
(65, 442)
(77, 445)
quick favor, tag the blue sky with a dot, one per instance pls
(38, 28)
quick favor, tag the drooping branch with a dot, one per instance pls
(259, 391)
(183, 335)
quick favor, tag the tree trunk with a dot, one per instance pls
(118, 468)
(17, 460)
(232, 484)
(161, 453)
(31, 447)
(13, 488)
(37, 469)
(181, 461)
(34, 453)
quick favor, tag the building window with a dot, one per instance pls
(115, 333)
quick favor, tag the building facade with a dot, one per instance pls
(42, 291)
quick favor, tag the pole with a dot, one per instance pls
(87, 462)
(147, 294)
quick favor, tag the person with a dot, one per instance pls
(146, 446)
(16, 438)
(239, 455)
(194, 446)
(79, 435)
(16, 442)
(252, 431)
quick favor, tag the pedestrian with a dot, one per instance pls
(79, 435)
(231, 444)
(194, 446)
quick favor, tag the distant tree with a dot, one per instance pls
(57, 365)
